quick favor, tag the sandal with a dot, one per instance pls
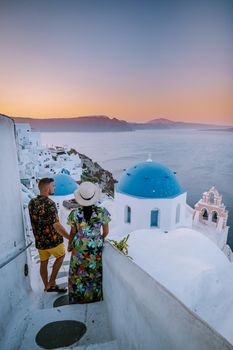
(56, 289)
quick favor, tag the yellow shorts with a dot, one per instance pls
(58, 252)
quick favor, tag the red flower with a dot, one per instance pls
(86, 256)
(81, 268)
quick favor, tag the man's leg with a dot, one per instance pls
(44, 273)
(56, 267)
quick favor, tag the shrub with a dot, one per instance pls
(122, 245)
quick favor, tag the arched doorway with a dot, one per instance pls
(204, 214)
(154, 218)
(214, 216)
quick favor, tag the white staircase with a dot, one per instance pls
(38, 311)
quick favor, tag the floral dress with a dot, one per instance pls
(85, 273)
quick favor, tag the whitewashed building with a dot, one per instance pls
(37, 161)
(148, 195)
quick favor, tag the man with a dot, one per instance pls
(48, 233)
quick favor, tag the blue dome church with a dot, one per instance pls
(148, 195)
(65, 186)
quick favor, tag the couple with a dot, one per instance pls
(85, 240)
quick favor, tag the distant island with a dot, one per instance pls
(102, 123)
(166, 123)
(81, 124)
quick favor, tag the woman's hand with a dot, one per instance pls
(73, 231)
(69, 248)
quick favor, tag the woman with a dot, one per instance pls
(86, 245)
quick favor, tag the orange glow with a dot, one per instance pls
(39, 102)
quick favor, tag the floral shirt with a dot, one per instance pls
(43, 214)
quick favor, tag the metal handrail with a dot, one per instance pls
(15, 255)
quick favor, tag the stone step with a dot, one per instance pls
(93, 316)
(110, 345)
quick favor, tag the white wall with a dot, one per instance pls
(145, 316)
(14, 284)
(141, 210)
(35, 139)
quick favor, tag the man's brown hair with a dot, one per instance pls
(45, 181)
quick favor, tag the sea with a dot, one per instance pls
(200, 158)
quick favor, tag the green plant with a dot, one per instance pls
(122, 245)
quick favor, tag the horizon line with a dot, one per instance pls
(128, 121)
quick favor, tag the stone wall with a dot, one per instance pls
(14, 284)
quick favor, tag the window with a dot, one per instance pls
(127, 214)
(204, 214)
(178, 213)
(212, 198)
(154, 218)
(214, 216)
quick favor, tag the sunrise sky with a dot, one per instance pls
(129, 59)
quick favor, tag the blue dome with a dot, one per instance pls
(149, 180)
(64, 185)
(65, 171)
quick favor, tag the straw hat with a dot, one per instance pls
(87, 194)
